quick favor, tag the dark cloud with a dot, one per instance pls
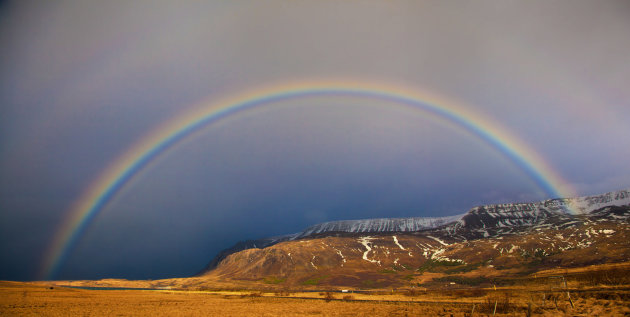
(82, 82)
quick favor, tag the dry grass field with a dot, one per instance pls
(29, 299)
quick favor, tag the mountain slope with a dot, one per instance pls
(479, 222)
(486, 241)
(421, 258)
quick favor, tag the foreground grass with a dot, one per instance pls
(21, 300)
(24, 299)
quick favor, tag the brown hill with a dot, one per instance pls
(427, 258)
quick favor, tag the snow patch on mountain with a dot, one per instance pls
(438, 240)
(397, 243)
(365, 241)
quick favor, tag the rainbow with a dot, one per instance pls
(112, 179)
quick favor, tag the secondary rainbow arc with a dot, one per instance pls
(113, 178)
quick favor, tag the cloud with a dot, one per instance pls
(83, 81)
(613, 183)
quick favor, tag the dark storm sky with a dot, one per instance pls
(81, 82)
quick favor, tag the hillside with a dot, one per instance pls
(486, 243)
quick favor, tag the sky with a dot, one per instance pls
(83, 82)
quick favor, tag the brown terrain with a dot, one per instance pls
(534, 273)
(405, 261)
(543, 296)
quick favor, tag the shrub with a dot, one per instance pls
(329, 296)
(501, 301)
(414, 292)
(252, 294)
(283, 293)
(616, 276)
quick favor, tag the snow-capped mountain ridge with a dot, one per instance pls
(522, 214)
(411, 224)
(494, 215)
(577, 205)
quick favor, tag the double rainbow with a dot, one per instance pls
(112, 180)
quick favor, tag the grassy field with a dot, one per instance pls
(28, 299)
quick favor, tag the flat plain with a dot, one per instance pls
(41, 299)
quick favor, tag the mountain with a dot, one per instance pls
(487, 241)
(478, 222)
(412, 224)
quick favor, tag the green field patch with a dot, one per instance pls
(464, 268)
(438, 265)
(408, 277)
(273, 280)
(313, 280)
(368, 283)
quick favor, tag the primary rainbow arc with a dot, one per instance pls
(112, 179)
